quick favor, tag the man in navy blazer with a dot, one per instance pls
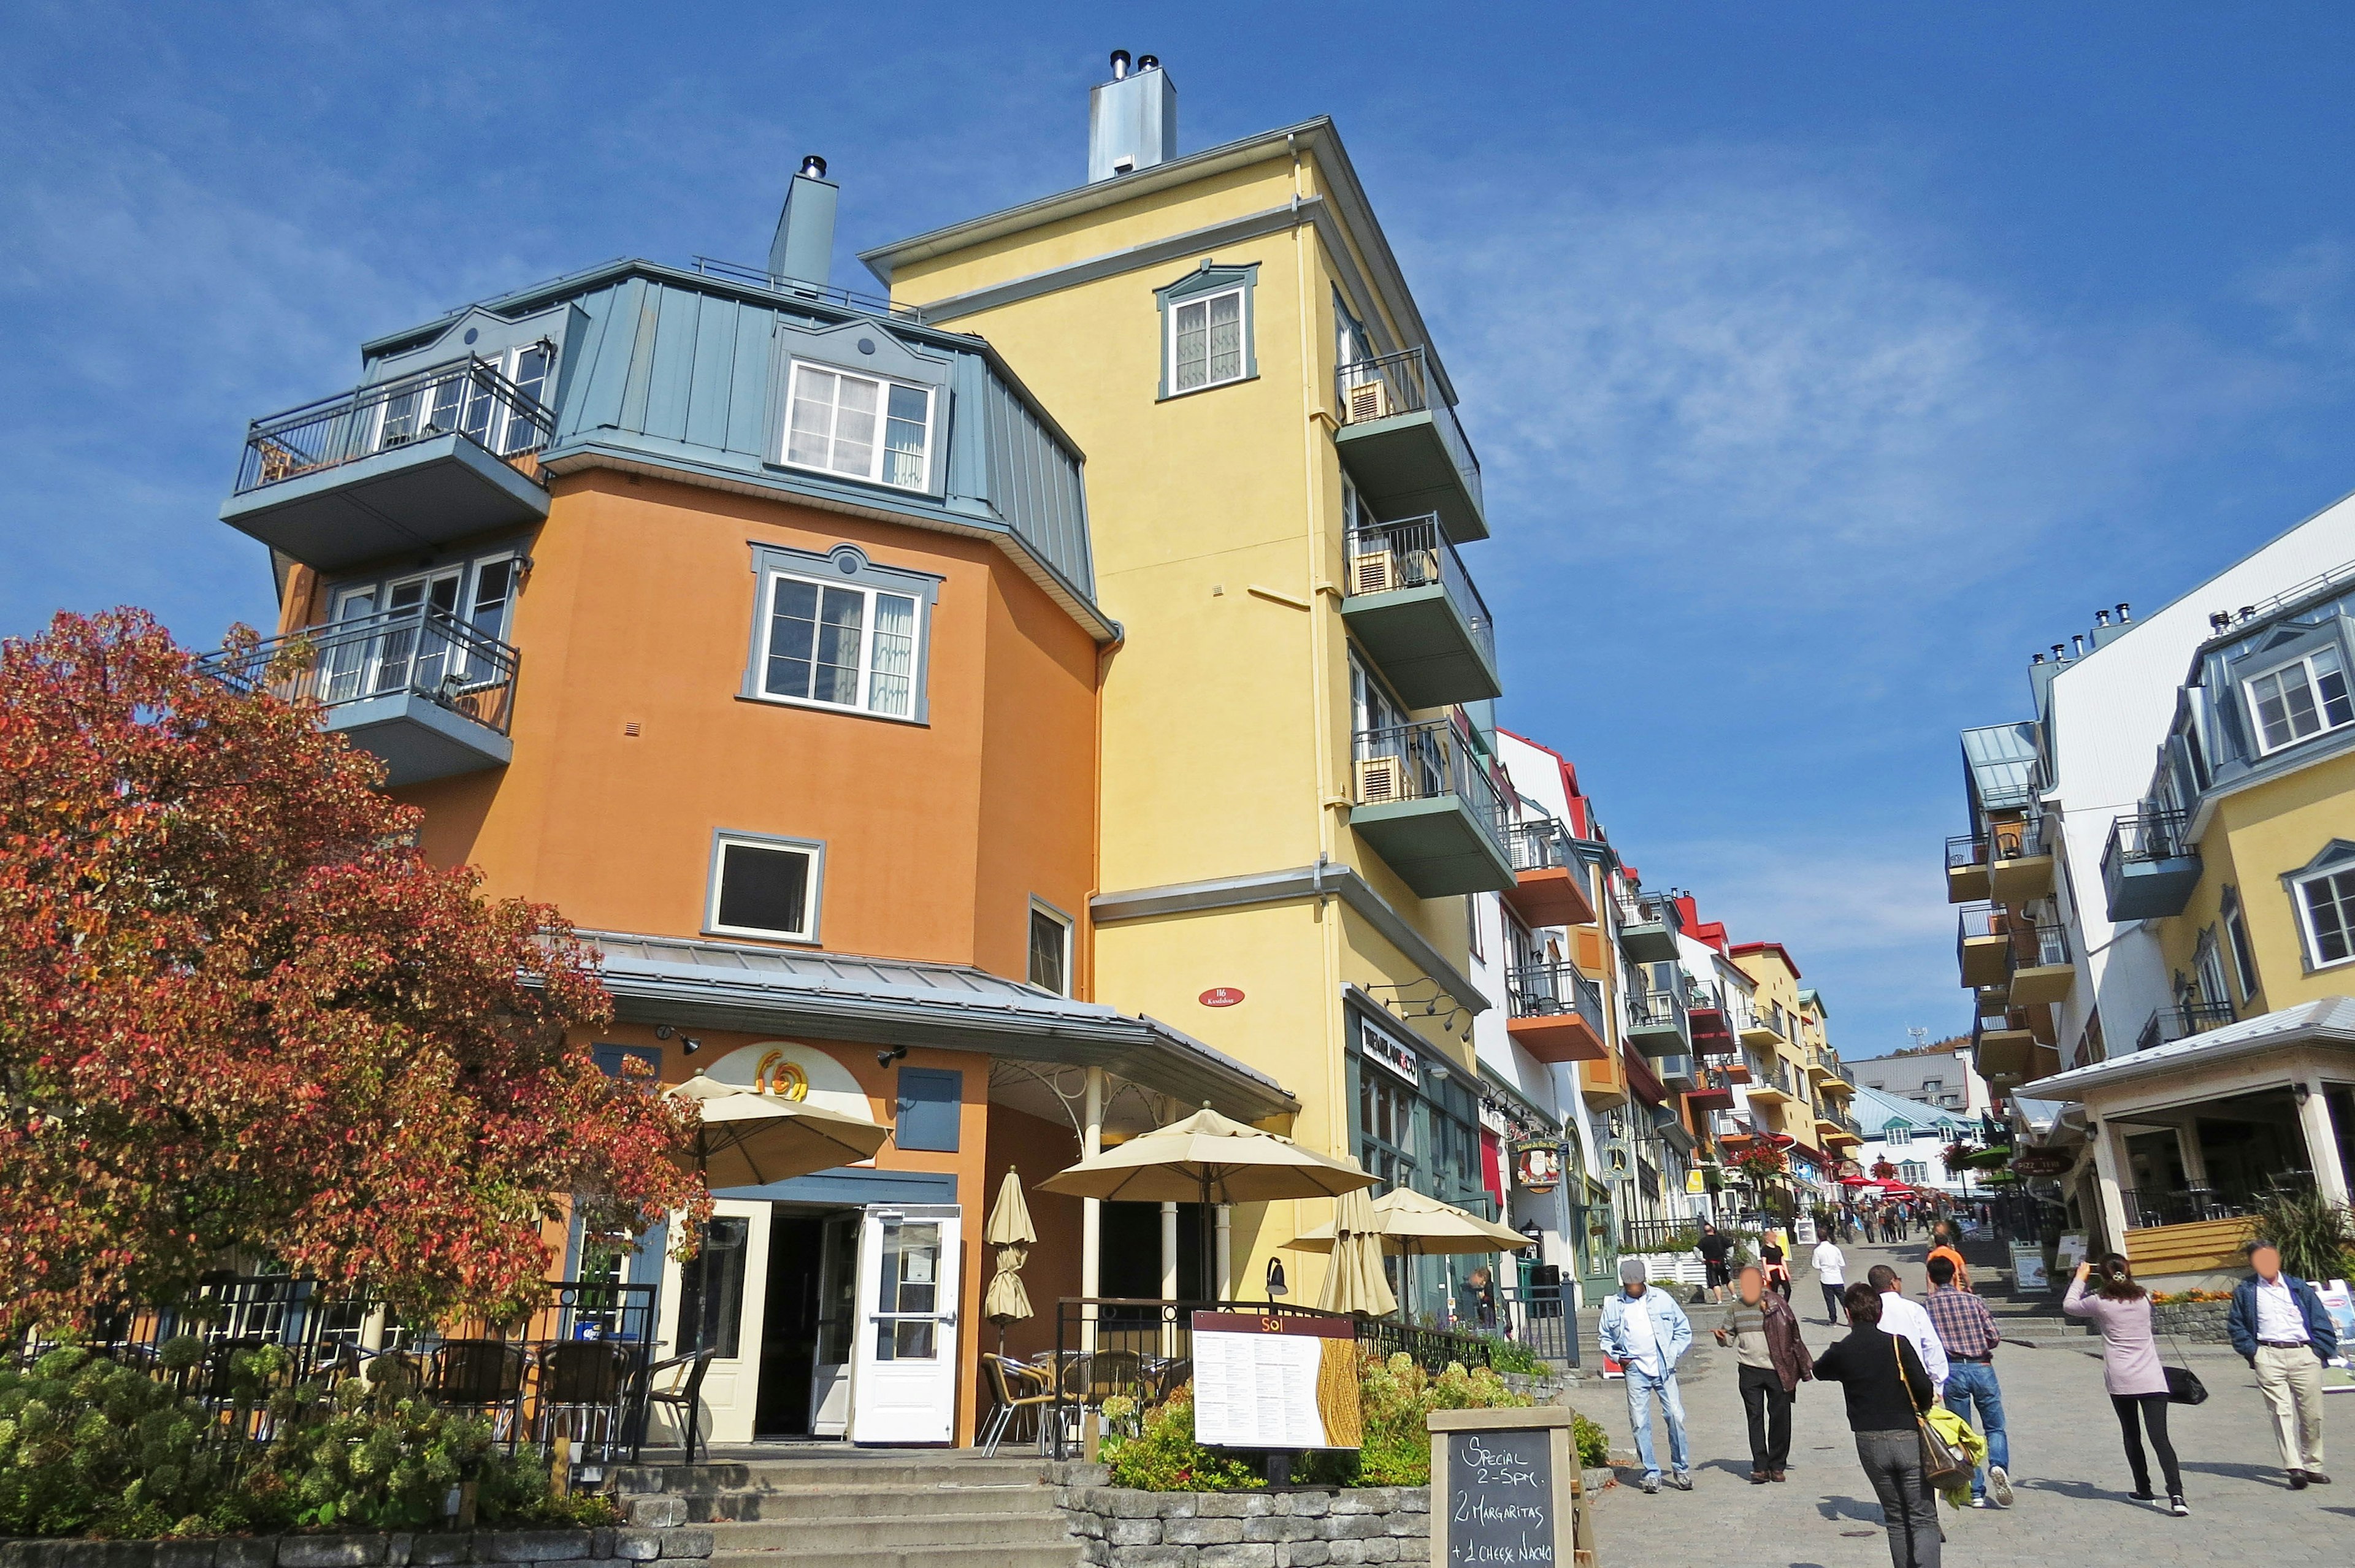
(2277, 1321)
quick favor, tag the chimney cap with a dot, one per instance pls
(814, 166)
(1120, 65)
(1148, 62)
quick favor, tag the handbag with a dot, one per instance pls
(2183, 1384)
(1942, 1464)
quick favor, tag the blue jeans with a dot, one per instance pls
(1641, 1387)
(1973, 1380)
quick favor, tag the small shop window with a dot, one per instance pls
(926, 1112)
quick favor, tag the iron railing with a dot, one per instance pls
(802, 288)
(1658, 1009)
(1428, 761)
(467, 397)
(2148, 834)
(1967, 851)
(1540, 845)
(1654, 1235)
(1392, 384)
(2039, 946)
(1552, 990)
(1540, 1318)
(421, 652)
(1647, 909)
(2150, 1205)
(1388, 558)
(2018, 840)
(2183, 1022)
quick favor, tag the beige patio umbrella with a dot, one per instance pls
(1354, 1282)
(1010, 1231)
(1208, 1159)
(749, 1139)
(1416, 1224)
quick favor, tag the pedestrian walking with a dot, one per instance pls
(1944, 1244)
(1907, 1320)
(2130, 1370)
(2278, 1322)
(1716, 1250)
(1645, 1331)
(1887, 1389)
(1772, 1362)
(1777, 1271)
(1831, 1272)
(1967, 1333)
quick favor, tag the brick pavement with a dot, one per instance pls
(2068, 1466)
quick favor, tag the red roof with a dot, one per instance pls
(1743, 949)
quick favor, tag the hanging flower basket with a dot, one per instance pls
(1882, 1170)
(1759, 1161)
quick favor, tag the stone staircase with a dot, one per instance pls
(832, 1508)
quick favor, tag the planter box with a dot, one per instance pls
(1117, 1528)
(570, 1547)
(2198, 1322)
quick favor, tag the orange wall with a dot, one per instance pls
(639, 610)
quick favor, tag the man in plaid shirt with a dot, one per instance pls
(1966, 1329)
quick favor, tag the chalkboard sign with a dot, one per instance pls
(1500, 1497)
(1505, 1490)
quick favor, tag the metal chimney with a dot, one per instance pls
(1132, 119)
(802, 249)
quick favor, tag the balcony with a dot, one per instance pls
(1758, 1026)
(1967, 869)
(1403, 446)
(2000, 1051)
(1705, 1014)
(1548, 884)
(1712, 1091)
(1647, 929)
(408, 465)
(1424, 802)
(2041, 968)
(2181, 1022)
(1656, 1023)
(1413, 609)
(1556, 1014)
(1771, 1084)
(2147, 868)
(2020, 865)
(426, 693)
(1983, 945)
(1677, 1072)
(1847, 1133)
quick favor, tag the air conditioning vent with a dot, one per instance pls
(1380, 781)
(1370, 400)
(1375, 571)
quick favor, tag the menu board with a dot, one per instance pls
(1273, 1380)
(1505, 1490)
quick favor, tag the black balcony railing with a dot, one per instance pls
(2180, 1022)
(1428, 761)
(422, 652)
(1656, 1010)
(2019, 839)
(1389, 558)
(1392, 384)
(1554, 990)
(2038, 947)
(1540, 845)
(467, 397)
(1965, 853)
(2147, 835)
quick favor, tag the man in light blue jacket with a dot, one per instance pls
(1647, 1332)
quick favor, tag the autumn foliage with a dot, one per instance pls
(241, 1015)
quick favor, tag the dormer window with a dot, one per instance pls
(861, 427)
(2301, 699)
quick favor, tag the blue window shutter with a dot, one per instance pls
(930, 1100)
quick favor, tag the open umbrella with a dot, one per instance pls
(1417, 1224)
(1354, 1282)
(1009, 1231)
(750, 1139)
(1207, 1159)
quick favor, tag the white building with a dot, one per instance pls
(1941, 1076)
(1909, 1134)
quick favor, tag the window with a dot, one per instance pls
(711, 1290)
(2327, 904)
(1912, 1172)
(2236, 934)
(839, 646)
(1206, 342)
(1896, 1134)
(2209, 960)
(1050, 950)
(927, 1108)
(860, 427)
(1385, 1126)
(421, 642)
(2300, 699)
(764, 887)
(1931, 1085)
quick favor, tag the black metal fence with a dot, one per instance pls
(1654, 1235)
(1388, 385)
(1540, 1320)
(425, 651)
(2168, 1025)
(467, 397)
(1550, 990)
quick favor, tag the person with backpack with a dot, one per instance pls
(2279, 1325)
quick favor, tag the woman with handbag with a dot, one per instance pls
(1887, 1390)
(2130, 1370)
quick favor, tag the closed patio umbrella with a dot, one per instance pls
(1010, 1231)
(1354, 1282)
(750, 1139)
(1417, 1224)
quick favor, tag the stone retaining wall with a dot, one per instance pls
(444, 1549)
(2200, 1322)
(1123, 1528)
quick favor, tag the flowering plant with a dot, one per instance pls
(1761, 1160)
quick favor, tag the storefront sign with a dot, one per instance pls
(1400, 1058)
(1220, 996)
(1270, 1381)
(1537, 1167)
(2042, 1162)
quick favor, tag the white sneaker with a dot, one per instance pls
(1999, 1486)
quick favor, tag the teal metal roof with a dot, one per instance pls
(2001, 766)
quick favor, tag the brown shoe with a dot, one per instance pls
(1773, 1475)
(1757, 1477)
(2318, 1478)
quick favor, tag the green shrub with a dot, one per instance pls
(2316, 1237)
(88, 1448)
(1164, 1457)
(1594, 1443)
(1512, 1356)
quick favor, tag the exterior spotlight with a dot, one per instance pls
(690, 1045)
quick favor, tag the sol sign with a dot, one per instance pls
(1221, 996)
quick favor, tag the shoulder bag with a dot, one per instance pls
(1943, 1465)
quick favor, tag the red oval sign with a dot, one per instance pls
(1221, 996)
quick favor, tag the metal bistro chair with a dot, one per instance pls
(484, 1375)
(580, 1383)
(685, 1394)
(1007, 1377)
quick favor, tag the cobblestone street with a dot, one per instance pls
(2068, 1468)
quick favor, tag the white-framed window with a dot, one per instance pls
(2326, 907)
(1205, 341)
(1050, 949)
(1896, 1135)
(411, 632)
(762, 886)
(858, 426)
(2236, 936)
(839, 644)
(1913, 1173)
(2300, 699)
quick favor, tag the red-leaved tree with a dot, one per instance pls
(241, 1015)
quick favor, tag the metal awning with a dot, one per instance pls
(2000, 767)
(2330, 1021)
(896, 1001)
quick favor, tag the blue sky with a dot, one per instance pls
(1823, 360)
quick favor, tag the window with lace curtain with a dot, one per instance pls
(837, 631)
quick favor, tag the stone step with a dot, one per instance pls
(881, 1470)
(1064, 1554)
(833, 1502)
(906, 1529)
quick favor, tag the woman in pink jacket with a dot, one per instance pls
(2130, 1368)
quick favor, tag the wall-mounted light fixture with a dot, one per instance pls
(886, 1058)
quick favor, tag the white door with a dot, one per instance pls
(904, 1360)
(837, 1326)
(720, 1299)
